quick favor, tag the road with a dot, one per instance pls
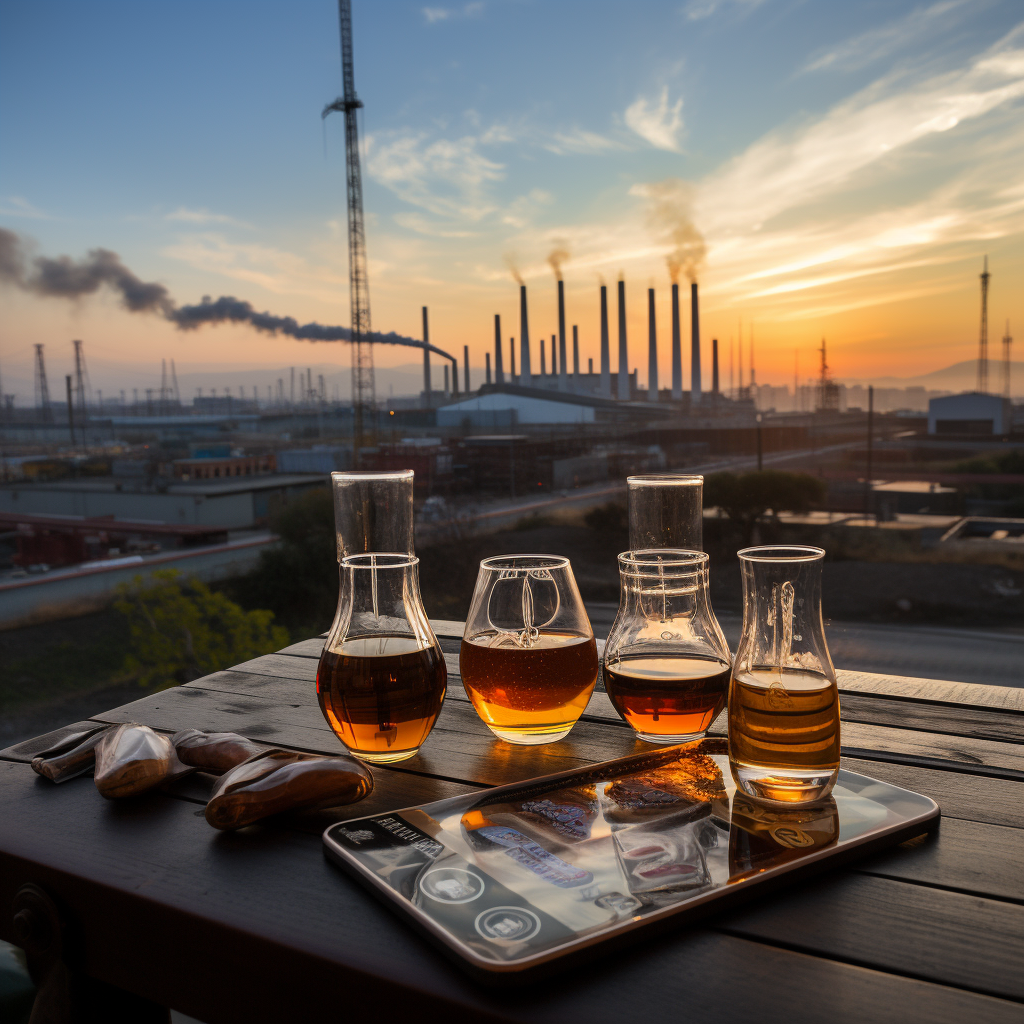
(934, 652)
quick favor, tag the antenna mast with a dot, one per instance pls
(983, 337)
(363, 398)
(1007, 342)
(42, 388)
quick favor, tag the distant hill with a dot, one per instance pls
(961, 376)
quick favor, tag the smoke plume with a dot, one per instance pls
(558, 256)
(670, 214)
(511, 263)
(66, 278)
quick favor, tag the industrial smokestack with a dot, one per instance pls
(606, 356)
(575, 356)
(623, 358)
(525, 378)
(426, 361)
(487, 367)
(512, 360)
(554, 357)
(445, 380)
(499, 372)
(714, 366)
(563, 381)
(543, 360)
(677, 348)
(465, 369)
(694, 346)
(652, 350)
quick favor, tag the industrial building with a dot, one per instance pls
(971, 414)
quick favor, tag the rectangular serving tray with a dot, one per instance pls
(515, 881)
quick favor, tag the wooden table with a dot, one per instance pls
(257, 926)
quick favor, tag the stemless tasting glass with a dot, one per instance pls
(528, 657)
(666, 662)
(382, 676)
(373, 512)
(783, 699)
(666, 510)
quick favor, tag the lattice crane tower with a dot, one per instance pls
(363, 397)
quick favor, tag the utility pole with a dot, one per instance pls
(71, 411)
(867, 477)
(983, 334)
(363, 397)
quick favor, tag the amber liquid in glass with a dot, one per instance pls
(382, 694)
(668, 699)
(530, 694)
(785, 723)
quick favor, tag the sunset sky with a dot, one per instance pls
(848, 164)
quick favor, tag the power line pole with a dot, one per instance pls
(983, 336)
(363, 397)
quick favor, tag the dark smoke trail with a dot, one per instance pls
(66, 278)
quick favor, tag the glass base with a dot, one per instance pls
(532, 736)
(662, 740)
(384, 756)
(783, 786)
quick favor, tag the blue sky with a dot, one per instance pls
(847, 163)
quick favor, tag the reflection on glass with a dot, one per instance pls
(764, 836)
(528, 657)
(666, 663)
(519, 872)
(382, 676)
(784, 698)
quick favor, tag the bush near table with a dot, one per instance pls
(181, 630)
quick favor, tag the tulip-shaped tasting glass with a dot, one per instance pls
(783, 699)
(382, 676)
(373, 512)
(528, 657)
(666, 662)
(666, 510)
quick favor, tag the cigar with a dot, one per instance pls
(215, 752)
(70, 757)
(282, 780)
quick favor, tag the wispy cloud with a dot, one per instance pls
(203, 217)
(882, 42)
(19, 206)
(432, 15)
(698, 10)
(657, 121)
(445, 177)
(579, 140)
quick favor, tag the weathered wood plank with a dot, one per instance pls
(270, 907)
(1000, 698)
(971, 797)
(915, 930)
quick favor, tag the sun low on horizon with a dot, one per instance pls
(829, 171)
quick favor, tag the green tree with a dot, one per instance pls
(183, 630)
(746, 497)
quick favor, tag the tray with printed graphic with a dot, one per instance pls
(519, 877)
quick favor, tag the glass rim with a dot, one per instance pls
(781, 553)
(671, 479)
(685, 563)
(367, 560)
(372, 474)
(542, 562)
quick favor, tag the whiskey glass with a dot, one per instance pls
(528, 657)
(783, 698)
(666, 510)
(382, 676)
(373, 511)
(666, 662)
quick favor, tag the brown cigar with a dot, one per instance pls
(282, 780)
(215, 752)
(131, 759)
(71, 757)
